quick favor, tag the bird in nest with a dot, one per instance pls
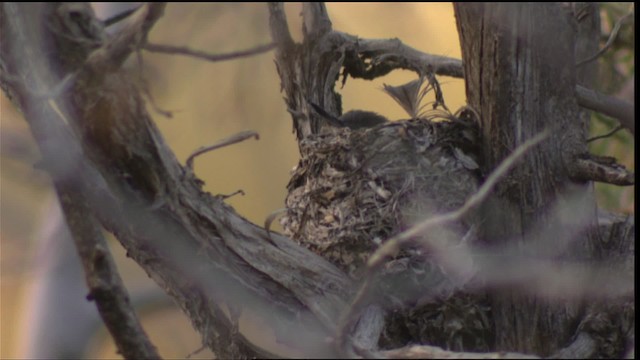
(369, 179)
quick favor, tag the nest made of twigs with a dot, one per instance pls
(353, 189)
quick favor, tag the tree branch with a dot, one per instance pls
(434, 352)
(234, 139)
(610, 40)
(279, 27)
(104, 282)
(316, 19)
(183, 50)
(129, 39)
(608, 105)
(605, 169)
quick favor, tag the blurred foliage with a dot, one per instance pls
(616, 73)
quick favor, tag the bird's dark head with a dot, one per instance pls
(354, 119)
(359, 119)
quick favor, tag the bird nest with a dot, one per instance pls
(353, 189)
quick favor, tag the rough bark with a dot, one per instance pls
(520, 73)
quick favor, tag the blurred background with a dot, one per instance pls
(42, 286)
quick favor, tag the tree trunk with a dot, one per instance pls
(519, 65)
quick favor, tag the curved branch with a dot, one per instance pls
(181, 50)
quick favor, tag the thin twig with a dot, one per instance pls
(606, 135)
(241, 136)
(183, 50)
(610, 41)
(226, 196)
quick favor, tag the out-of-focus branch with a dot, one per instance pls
(183, 50)
(618, 109)
(582, 347)
(104, 282)
(434, 352)
(133, 34)
(610, 40)
(105, 285)
(386, 55)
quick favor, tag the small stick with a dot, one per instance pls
(233, 139)
(606, 135)
(180, 50)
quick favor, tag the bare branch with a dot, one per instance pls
(589, 167)
(608, 105)
(279, 27)
(234, 139)
(104, 282)
(129, 39)
(195, 246)
(434, 352)
(183, 50)
(612, 38)
(606, 135)
(316, 19)
(390, 54)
